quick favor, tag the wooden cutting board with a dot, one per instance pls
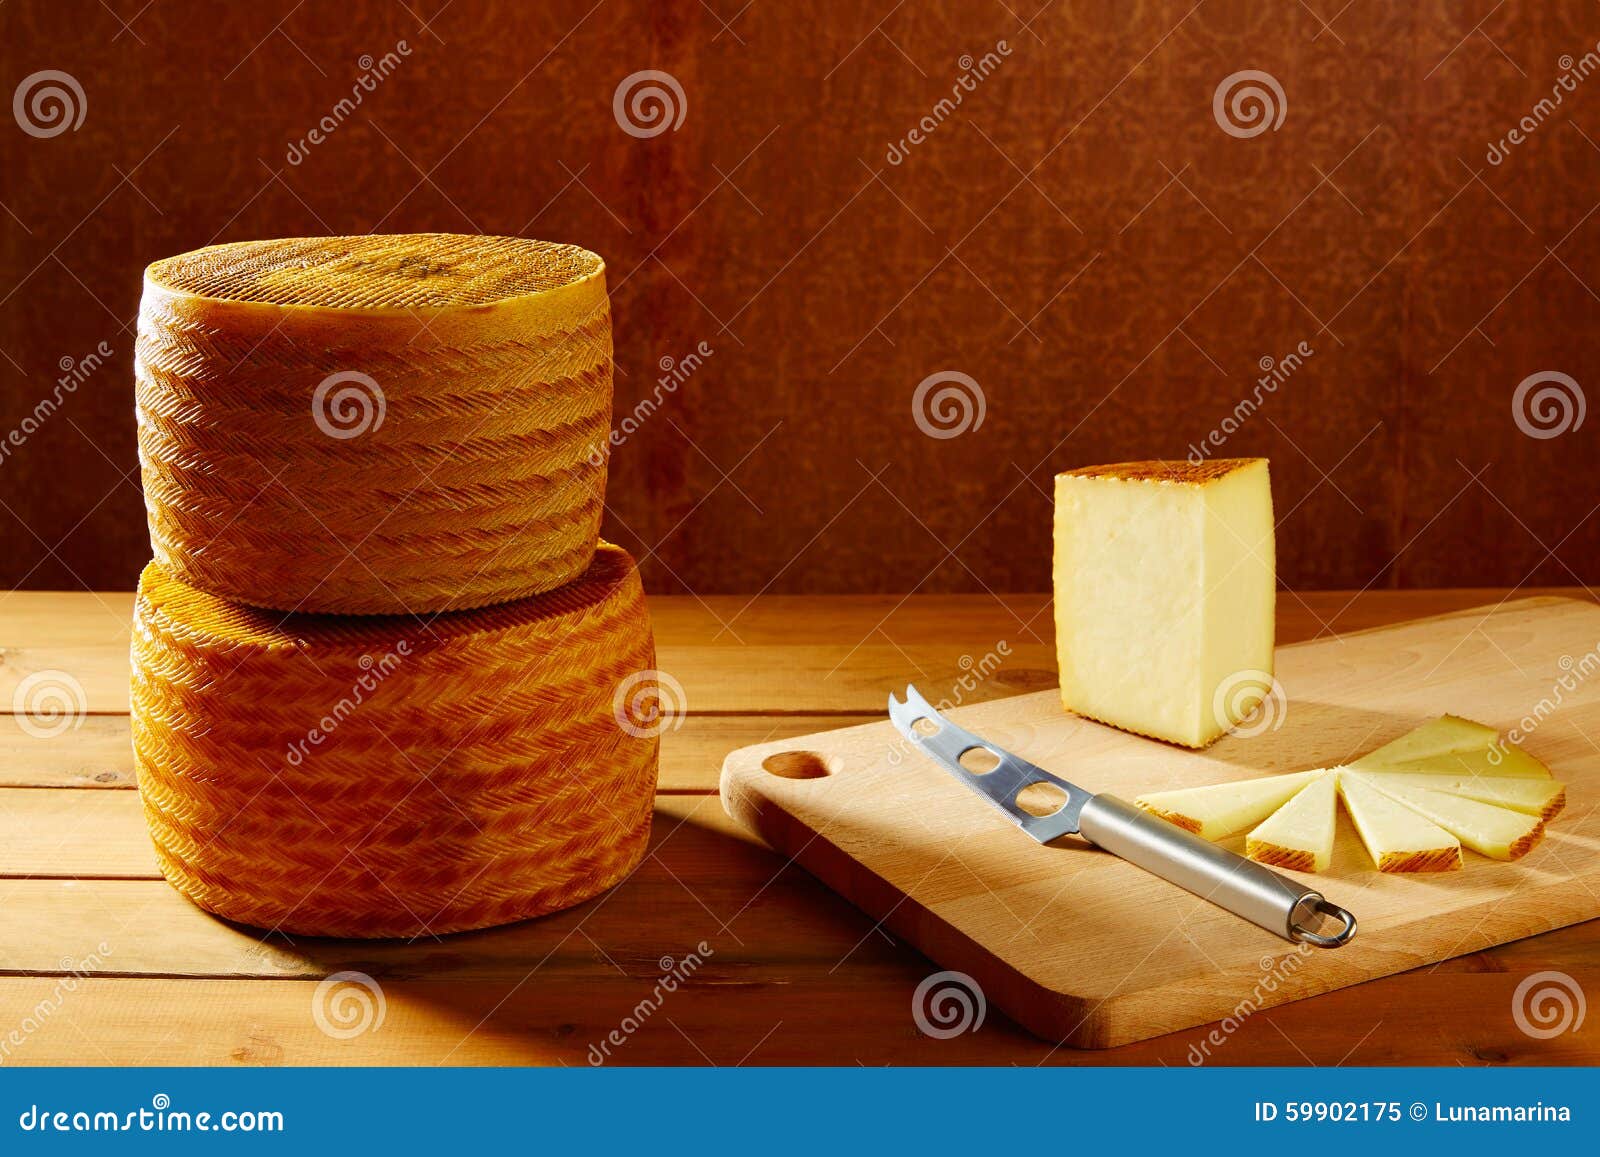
(1084, 948)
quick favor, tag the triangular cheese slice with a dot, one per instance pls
(1501, 762)
(1397, 838)
(1221, 809)
(1437, 737)
(1496, 832)
(1299, 835)
(1536, 797)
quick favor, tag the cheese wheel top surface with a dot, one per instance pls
(239, 627)
(433, 271)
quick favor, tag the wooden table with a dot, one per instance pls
(102, 963)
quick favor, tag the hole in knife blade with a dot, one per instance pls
(979, 760)
(1041, 799)
(924, 726)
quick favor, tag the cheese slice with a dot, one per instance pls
(1537, 797)
(1501, 761)
(1221, 809)
(1398, 838)
(1299, 835)
(1496, 832)
(375, 425)
(390, 776)
(1164, 592)
(1436, 737)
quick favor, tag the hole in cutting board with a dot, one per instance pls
(798, 765)
(1041, 799)
(979, 760)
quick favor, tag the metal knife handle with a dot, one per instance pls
(1230, 881)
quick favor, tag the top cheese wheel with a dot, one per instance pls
(375, 425)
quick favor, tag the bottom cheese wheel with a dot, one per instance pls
(396, 776)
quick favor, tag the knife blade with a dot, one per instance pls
(1248, 889)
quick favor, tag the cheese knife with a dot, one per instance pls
(1243, 887)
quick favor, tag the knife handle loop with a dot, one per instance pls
(1317, 905)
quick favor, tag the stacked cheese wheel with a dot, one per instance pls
(375, 425)
(399, 434)
(1415, 802)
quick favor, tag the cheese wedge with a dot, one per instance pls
(1513, 763)
(1397, 838)
(1299, 835)
(1221, 809)
(1496, 832)
(1164, 589)
(1536, 797)
(1437, 737)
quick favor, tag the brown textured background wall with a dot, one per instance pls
(1080, 236)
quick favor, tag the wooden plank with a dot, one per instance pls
(790, 654)
(724, 1015)
(66, 832)
(1080, 944)
(704, 878)
(98, 753)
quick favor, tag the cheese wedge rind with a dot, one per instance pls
(1299, 835)
(1397, 838)
(1536, 797)
(1221, 809)
(1496, 832)
(1436, 737)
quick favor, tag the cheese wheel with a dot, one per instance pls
(375, 425)
(339, 776)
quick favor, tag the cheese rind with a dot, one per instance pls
(1397, 838)
(1537, 797)
(1219, 810)
(375, 425)
(1439, 736)
(1496, 832)
(1299, 835)
(1164, 595)
(389, 776)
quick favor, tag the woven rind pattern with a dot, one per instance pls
(466, 772)
(481, 484)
